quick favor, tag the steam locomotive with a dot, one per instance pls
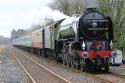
(81, 41)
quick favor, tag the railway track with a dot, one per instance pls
(110, 77)
(119, 78)
(102, 80)
(35, 79)
(98, 77)
(31, 78)
(118, 75)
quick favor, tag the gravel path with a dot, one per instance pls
(9, 72)
(66, 73)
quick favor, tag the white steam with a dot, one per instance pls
(39, 16)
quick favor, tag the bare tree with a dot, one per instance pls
(69, 7)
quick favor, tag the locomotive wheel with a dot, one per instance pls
(68, 59)
(42, 53)
(49, 54)
(82, 65)
(106, 65)
(54, 54)
(72, 62)
(106, 69)
(59, 57)
(45, 53)
(87, 67)
(77, 66)
(38, 51)
(64, 58)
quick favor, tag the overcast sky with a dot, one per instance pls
(22, 14)
(16, 14)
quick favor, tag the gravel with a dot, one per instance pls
(118, 69)
(9, 72)
(39, 74)
(111, 78)
(66, 73)
(75, 77)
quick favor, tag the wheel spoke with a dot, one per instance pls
(72, 63)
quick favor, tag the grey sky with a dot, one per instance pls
(16, 14)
